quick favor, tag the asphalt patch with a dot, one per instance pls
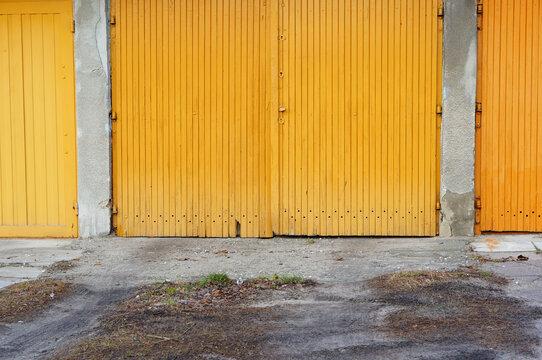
(184, 321)
(465, 306)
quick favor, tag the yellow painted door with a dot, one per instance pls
(256, 118)
(37, 120)
(191, 95)
(359, 89)
(509, 117)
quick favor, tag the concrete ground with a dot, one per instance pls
(110, 268)
(25, 259)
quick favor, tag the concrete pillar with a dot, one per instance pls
(457, 216)
(92, 82)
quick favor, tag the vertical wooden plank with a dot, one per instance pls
(66, 116)
(274, 104)
(232, 170)
(341, 117)
(38, 90)
(138, 117)
(308, 218)
(12, 109)
(129, 120)
(6, 212)
(26, 127)
(537, 113)
(385, 104)
(191, 119)
(52, 130)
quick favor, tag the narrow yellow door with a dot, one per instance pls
(359, 91)
(191, 98)
(37, 120)
(509, 118)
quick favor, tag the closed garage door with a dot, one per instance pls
(37, 120)
(256, 118)
(509, 119)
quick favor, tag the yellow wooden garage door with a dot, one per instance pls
(360, 85)
(37, 120)
(191, 93)
(509, 119)
(256, 118)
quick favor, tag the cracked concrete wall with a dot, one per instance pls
(457, 216)
(92, 83)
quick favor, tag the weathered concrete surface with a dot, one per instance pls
(332, 322)
(93, 124)
(136, 261)
(22, 259)
(507, 243)
(458, 120)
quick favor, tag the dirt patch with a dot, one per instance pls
(185, 321)
(464, 306)
(62, 266)
(18, 301)
(500, 260)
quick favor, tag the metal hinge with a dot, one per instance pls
(438, 206)
(439, 109)
(114, 209)
(478, 115)
(113, 116)
(477, 203)
(73, 26)
(479, 11)
(76, 208)
(112, 20)
(440, 12)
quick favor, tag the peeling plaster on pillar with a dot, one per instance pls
(458, 121)
(92, 83)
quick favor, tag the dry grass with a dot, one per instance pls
(61, 266)
(18, 301)
(207, 319)
(461, 306)
(408, 280)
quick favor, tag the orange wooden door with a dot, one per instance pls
(509, 117)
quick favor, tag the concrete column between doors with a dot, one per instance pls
(457, 216)
(93, 101)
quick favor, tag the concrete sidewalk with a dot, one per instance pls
(26, 259)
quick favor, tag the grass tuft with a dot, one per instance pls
(288, 280)
(215, 279)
